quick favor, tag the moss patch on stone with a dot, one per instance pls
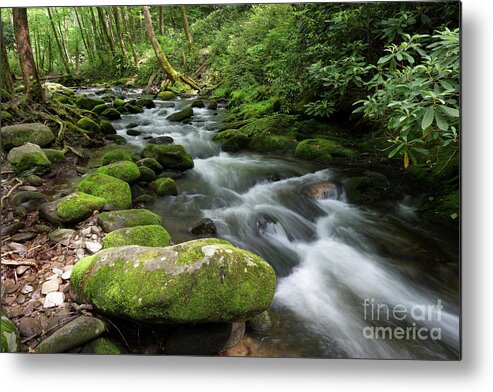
(151, 163)
(152, 235)
(115, 220)
(88, 124)
(104, 346)
(164, 187)
(107, 128)
(20, 134)
(267, 142)
(321, 150)
(116, 192)
(173, 157)
(30, 159)
(146, 174)
(87, 103)
(115, 156)
(124, 170)
(181, 115)
(98, 109)
(111, 114)
(78, 206)
(55, 156)
(232, 139)
(144, 199)
(166, 95)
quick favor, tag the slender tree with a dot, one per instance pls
(25, 52)
(116, 17)
(126, 28)
(6, 74)
(161, 20)
(62, 53)
(186, 27)
(83, 36)
(104, 29)
(172, 74)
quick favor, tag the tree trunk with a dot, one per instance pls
(83, 36)
(105, 30)
(161, 20)
(6, 74)
(172, 74)
(172, 17)
(126, 27)
(110, 29)
(26, 59)
(60, 48)
(186, 26)
(119, 31)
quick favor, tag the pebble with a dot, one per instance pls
(53, 299)
(94, 236)
(95, 229)
(19, 248)
(80, 253)
(49, 286)
(21, 269)
(62, 236)
(27, 289)
(57, 271)
(21, 298)
(28, 326)
(86, 231)
(23, 237)
(93, 247)
(28, 188)
(66, 275)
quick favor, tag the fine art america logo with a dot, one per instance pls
(401, 322)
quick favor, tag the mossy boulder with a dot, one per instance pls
(198, 103)
(181, 115)
(260, 323)
(103, 346)
(34, 180)
(166, 95)
(116, 192)
(114, 220)
(98, 109)
(212, 105)
(132, 109)
(111, 114)
(170, 157)
(206, 280)
(266, 142)
(55, 156)
(107, 128)
(152, 235)
(146, 174)
(117, 103)
(321, 150)
(20, 134)
(124, 170)
(232, 139)
(28, 196)
(145, 103)
(117, 139)
(87, 103)
(10, 341)
(144, 199)
(78, 206)
(164, 187)
(115, 156)
(151, 163)
(30, 159)
(89, 124)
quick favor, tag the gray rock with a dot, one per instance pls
(260, 322)
(204, 228)
(18, 135)
(53, 299)
(29, 158)
(49, 286)
(11, 228)
(26, 196)
(29, 326)
(62, 236)
(23, 237)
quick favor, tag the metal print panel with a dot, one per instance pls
(267, 180)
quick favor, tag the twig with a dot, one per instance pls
(14, 263)
(20, 182)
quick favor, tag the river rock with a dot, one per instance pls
(29, 158)
(321, 150)
(151, 235)
(205, 227)
(164, 187)
(368, 189)
(205, 280)
(132, 109)
(165, 95)
(11, 228)
(114, 220)
(98, 109)
(26, 196)
(115, 191)
(107, 128)
(111, 114)
(23, 237)
(20, 134)
(77, 332)
(87, 103)
(78, 206)
(181, 115)
(212, 105)
(124, 170)
(55, 156)
(29, 326)
(49, 286)
(10, 341)
(145, 103)
(103, 346)
(133, 132)
(173, 157)
(232, 139)
(161, 140)
(146, 174)
(198, 103)
(34, 180)
(88, 124)
(93, 246)
(53, 299)
(151, 163)
(260, 323)
(326, 190)
(115, 156)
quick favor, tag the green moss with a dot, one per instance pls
(146, 174)
(115, 156)
(117, 139)
(153, 236)
(98, 109)
(164, 187)
(29, 159)
(61, 98)
(234, 125)
(198, 281)
(198, 103)
(86, 103)
(118, 103)
(321, 150)
(88, 124)
(5, 116)
(144, 199)
(132, 109)
(181, 115)
(443, 209)
(114, 220)
(166, 95)
(151, 163)
(55, 156)
(116, 192)
(10, 341)
(103, 346)
(107, 128)
(173, 157)
(265, 142)
(124, 170)
(78, 206)
(145, 102)
(232, 139)
(20, 134)
(111, 114)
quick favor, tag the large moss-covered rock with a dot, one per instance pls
(170, 157)
(166, 95)
(107, 128)
(181, 115)
(78, 206)
(146, 174)
(164, 187)
(29, 158)
(20, 134)
(198, 103)
(321, 150)
(115, 156)
(77, 332)
(132, 109)
(206, 280)
(145, 103)
(111, 114)
(103, 346)
(151, 163)
(87, 103)
(117, 103)
(124, 170)
(10, 341)
(266, 143)
(115, 220)
(116, 192)
(98, 109)
(55, 156)
(88, 124)
(153, 235)
(232, 139)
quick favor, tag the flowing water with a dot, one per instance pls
(342, 269)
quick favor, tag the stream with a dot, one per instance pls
(336, 263)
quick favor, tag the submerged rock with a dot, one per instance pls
(161, 140)
(181, 115)
(206, 280)
(123, 170)
(10, 341)
(79, 331)
(152, 235)
(205, 227)
(325, 190)
(164, 187)
(116, 192)
(29, 158)
(20, 134)
(146, 103)
(173, 157)
(115, 220)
